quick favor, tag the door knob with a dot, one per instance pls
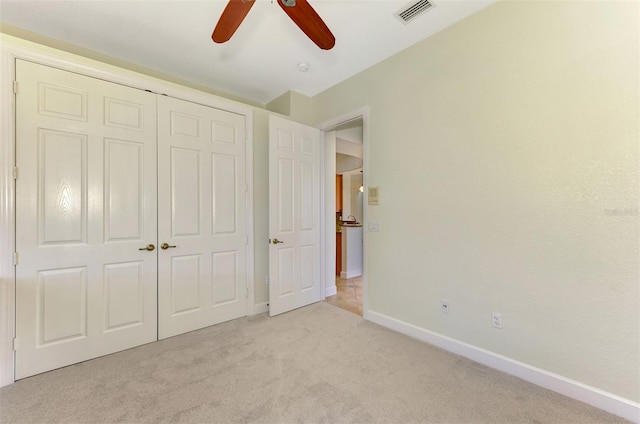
(276, 241)
(150, 248)
(165, 246)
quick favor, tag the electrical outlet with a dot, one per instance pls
(496, 320)
(444, 306)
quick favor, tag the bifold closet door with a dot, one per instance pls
(86, 217)
(202, 212)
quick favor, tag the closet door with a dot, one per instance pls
(85, 214)
(202, 209)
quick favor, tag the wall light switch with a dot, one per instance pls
(373, 195)
(373, 226)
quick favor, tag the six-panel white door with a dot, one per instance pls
(202, 216)
(294, 215)
(88, 217)
(85, 206)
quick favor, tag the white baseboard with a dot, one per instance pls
(609, 402)
(350, 274)
(330, 290)
(6, 357)
(260, 308)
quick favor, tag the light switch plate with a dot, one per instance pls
(373, 195)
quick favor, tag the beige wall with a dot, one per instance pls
(261, 204)
(293, 105)
(506, 151)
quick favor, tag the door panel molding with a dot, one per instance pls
(12, 48)
(203, 214)
(295, 218)
(69, 282)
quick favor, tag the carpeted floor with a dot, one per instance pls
(318, 364)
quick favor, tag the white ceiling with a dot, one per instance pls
(260, 61)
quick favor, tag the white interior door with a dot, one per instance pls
(202, 216)
(85, 206)
(294, 215)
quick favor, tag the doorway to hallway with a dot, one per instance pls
(346, 289)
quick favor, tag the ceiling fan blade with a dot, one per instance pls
(231, 18)
(309, 22)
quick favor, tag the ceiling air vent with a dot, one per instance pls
(413, 10)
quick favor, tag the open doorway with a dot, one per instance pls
(348, 138)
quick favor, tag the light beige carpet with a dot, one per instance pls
(318, 364)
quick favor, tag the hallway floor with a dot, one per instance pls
(349, 296)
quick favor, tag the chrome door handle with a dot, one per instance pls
(276, 241)
(165, 246)
(150, 248)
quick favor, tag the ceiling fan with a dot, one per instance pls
(300, 12)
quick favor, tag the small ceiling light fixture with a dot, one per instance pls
(303, 67)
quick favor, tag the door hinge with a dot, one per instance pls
(15, 172)
(15, 258)
(246, 240)
(246, 187)
(15, 343)
(247, 293)
(15, 87)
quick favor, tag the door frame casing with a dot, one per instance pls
(26, 50)
(329, 197)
